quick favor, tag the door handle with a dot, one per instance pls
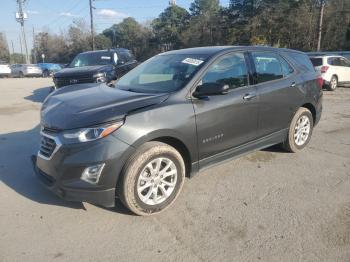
(293, 84)
(249, 96)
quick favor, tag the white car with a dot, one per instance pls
(5, 70)
(22, 70)
(335, 70)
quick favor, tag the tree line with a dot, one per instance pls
(278, 23)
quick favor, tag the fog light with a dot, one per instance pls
(92, 174)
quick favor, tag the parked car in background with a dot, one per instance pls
(5, 70)
(22, 70)
(345, 54)
(96, 66)
(49, 68)
(335, 70)
(175, 114)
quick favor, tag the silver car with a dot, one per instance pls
(22, 70)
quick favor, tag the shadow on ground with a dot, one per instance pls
(39, 94)
(16, 170)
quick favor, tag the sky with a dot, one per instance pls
(57, 15)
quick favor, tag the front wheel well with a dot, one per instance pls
(181, 147)
(312, 110)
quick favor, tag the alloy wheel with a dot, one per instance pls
(302, 130)
(157, 181)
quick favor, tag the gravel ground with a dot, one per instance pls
(266, 206)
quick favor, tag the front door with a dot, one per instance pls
(230, 120)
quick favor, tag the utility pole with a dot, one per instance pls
(13, 51)
(323, 3)
(20, 43)
(34, 48)
(92, 25)
(20, 17)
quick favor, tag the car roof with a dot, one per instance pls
(213, 50)
(105, 50)
(326, 56)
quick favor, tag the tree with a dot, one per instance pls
(131, 35)
(204, 26)
(4, 51)
(102, 42)
(169, 25)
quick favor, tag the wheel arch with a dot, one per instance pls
(312, 109)
(179, 146)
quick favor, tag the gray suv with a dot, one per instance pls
(170, 117)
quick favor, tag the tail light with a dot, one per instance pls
(324, 69)
(319, 81)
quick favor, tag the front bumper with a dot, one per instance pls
(61, 174)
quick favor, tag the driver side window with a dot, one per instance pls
(230, 69)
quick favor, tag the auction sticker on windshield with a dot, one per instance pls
(105, 57)
(192, 61)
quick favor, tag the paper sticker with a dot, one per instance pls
(192, 61)
(106, 57)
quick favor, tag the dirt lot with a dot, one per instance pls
(267, 206)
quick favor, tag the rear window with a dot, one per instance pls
(303, 61)
(316, 61)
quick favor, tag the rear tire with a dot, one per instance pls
(151, 179)
(300, 131)
(21, 75)
(333, 83)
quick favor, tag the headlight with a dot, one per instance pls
(92, 133)
(100, 77)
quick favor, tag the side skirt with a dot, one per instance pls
(232, 153)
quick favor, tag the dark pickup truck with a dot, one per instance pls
(96, 66)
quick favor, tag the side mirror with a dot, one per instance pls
(211, 89)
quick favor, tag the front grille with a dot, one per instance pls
(49, 130)
(65, 81)
(47, 146)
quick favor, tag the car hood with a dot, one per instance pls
(92, 104)
(84, 70)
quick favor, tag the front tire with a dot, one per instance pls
(152, 179)
(300, 131)
(333, 83)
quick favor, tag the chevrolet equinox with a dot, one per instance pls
(169, 118)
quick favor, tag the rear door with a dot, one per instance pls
(277, 83)
(230, 120)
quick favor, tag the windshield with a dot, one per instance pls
(162, 73)
(91, 59)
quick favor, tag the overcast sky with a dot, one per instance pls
(56, 15)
